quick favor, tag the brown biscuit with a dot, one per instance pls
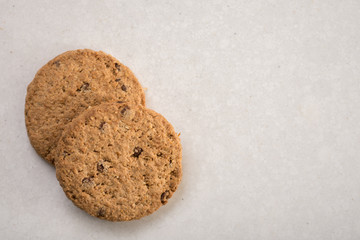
(68, 85)
(119, 161)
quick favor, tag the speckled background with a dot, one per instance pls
(266, 95)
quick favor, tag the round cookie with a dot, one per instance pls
(68, 85)
(119, 161)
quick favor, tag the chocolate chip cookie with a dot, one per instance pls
(68, 85)
(119, 161)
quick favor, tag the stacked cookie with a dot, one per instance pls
(114, 158)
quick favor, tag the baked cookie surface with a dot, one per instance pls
(66, 86)
(119, 161)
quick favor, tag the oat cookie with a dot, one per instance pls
(119, 161)
(68, 85)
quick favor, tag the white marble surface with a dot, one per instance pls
(266, 95)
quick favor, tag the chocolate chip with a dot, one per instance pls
(164, 196)
(101, 126)
(174, 173)
(56, 63)
(101, 212)
(120, 101)
(86, 180)
(118, 80)
(123, 111)
(65, 154)
(137, 152)
(123, 87)
(100, 167)
(117, 66)
(107, 65)
(84, 87)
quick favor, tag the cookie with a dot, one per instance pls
(68, 85)
(119, 161)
